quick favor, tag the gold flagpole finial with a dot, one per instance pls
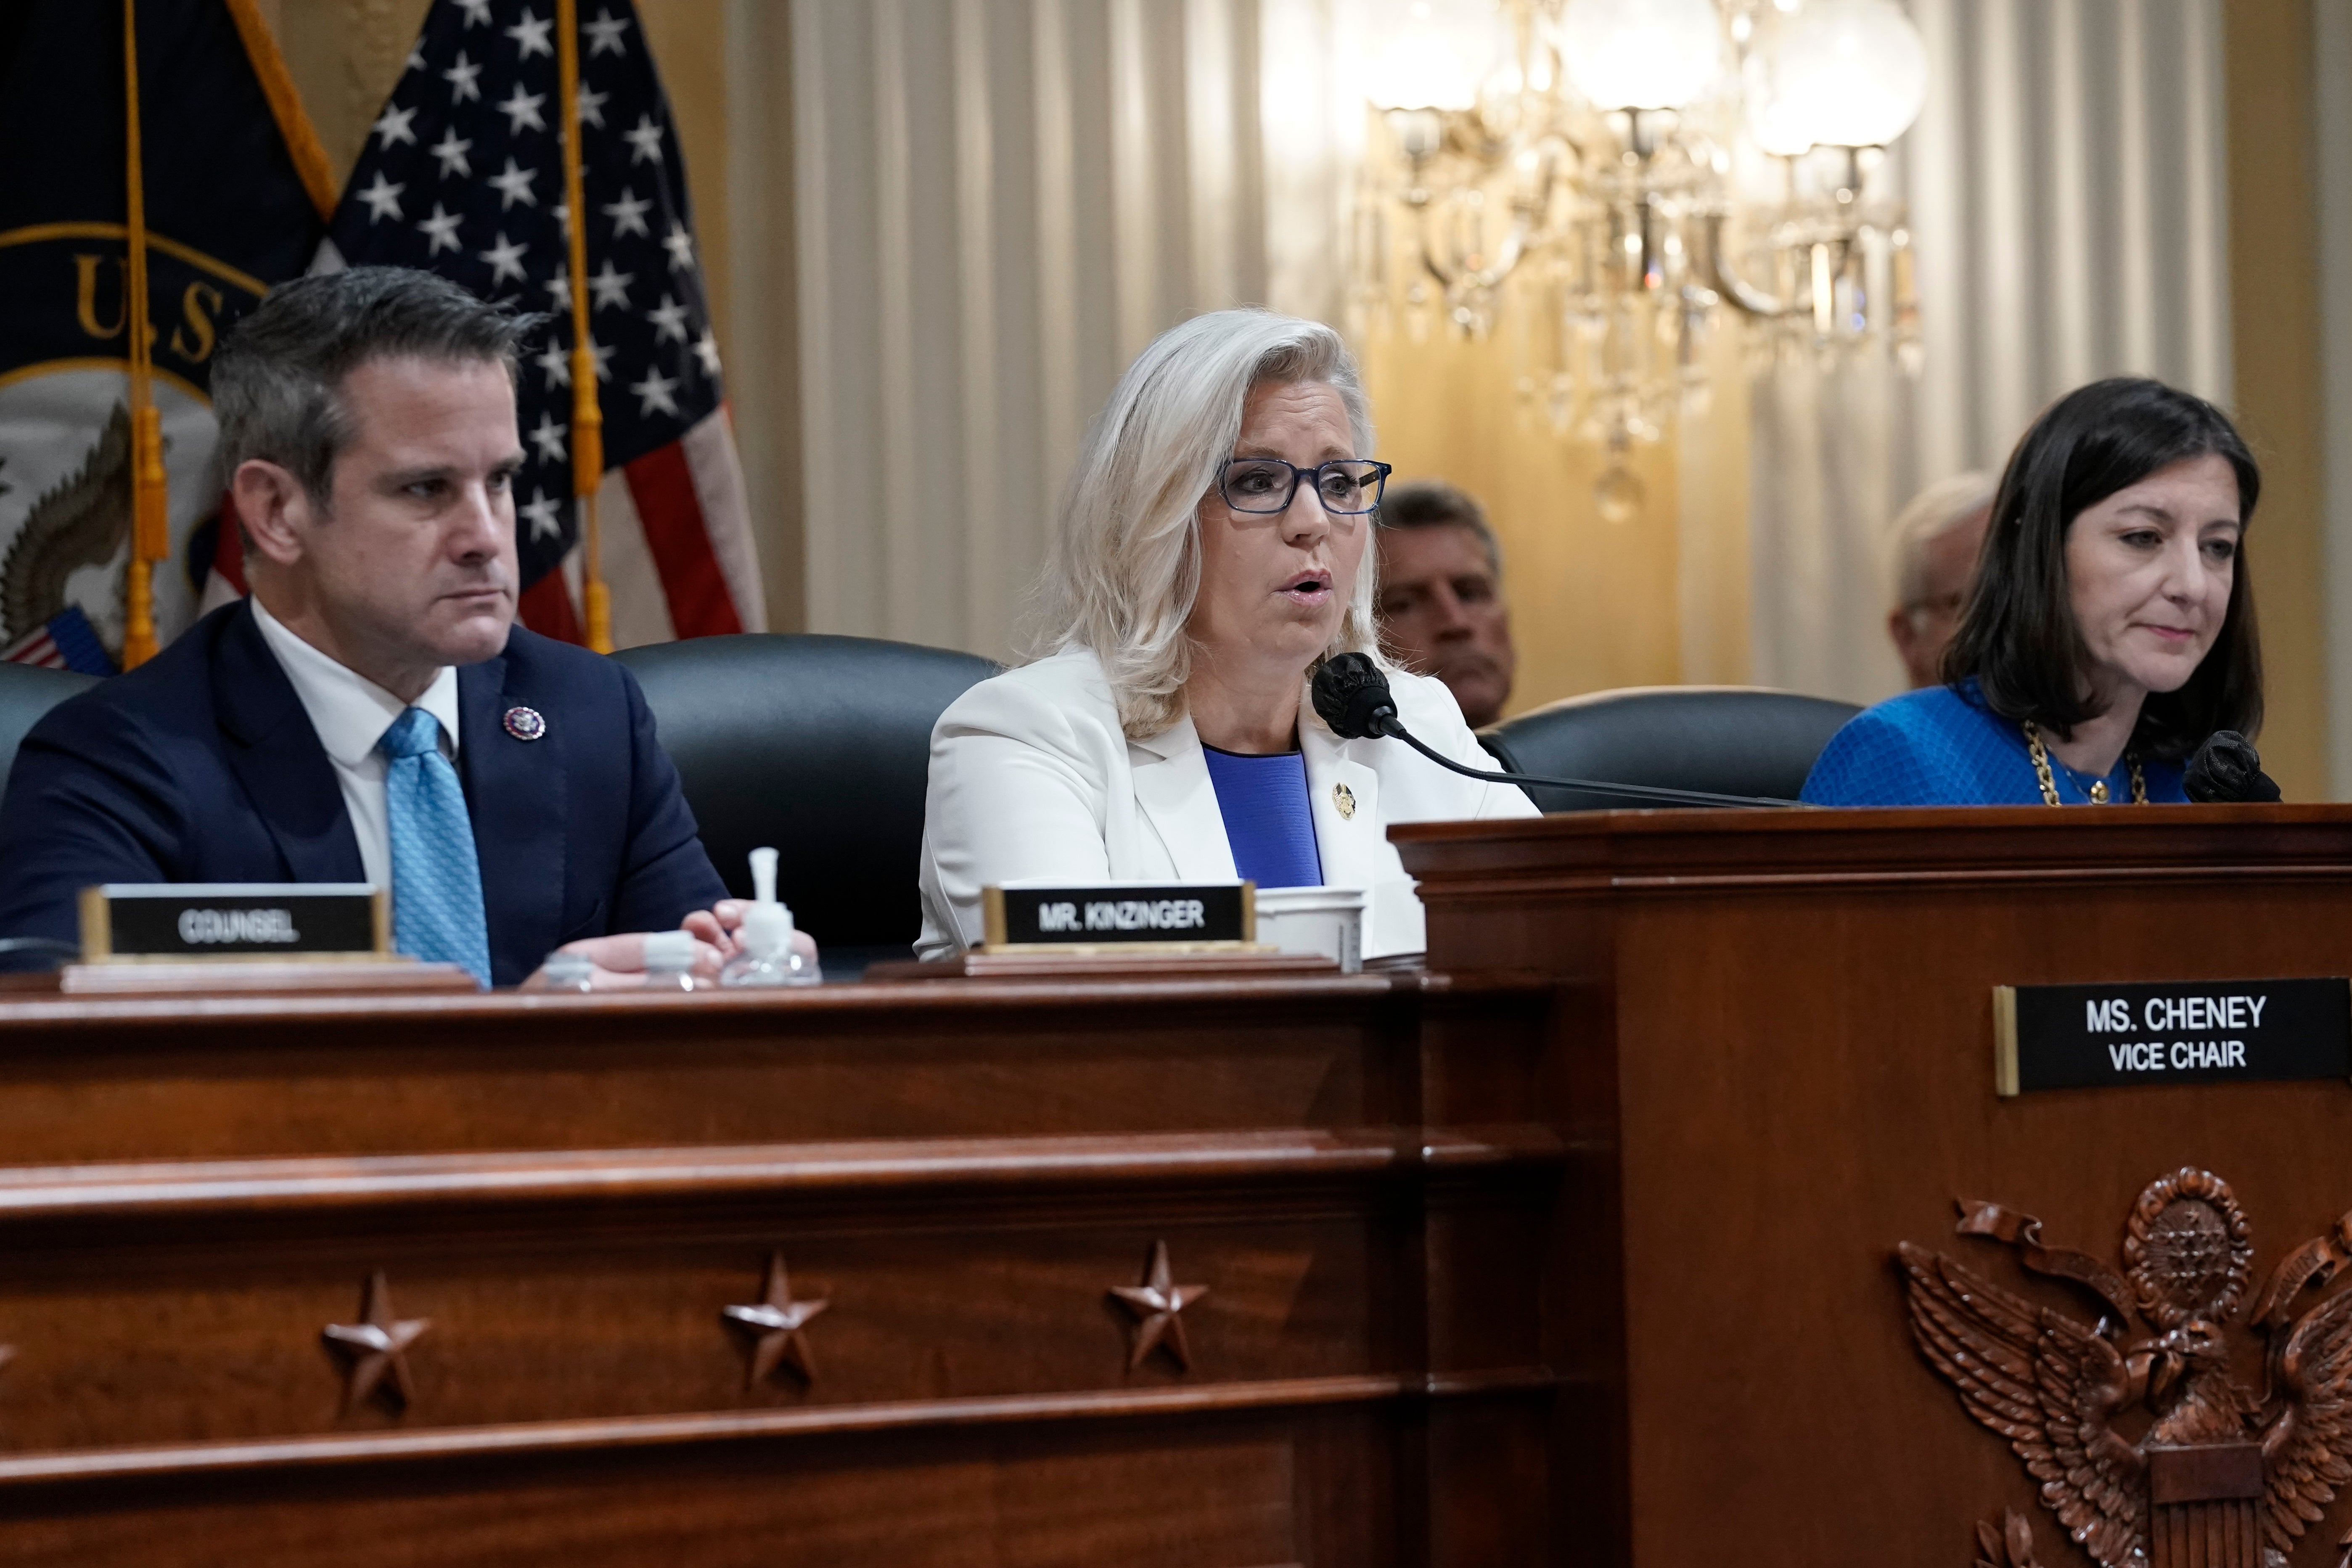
(150, 526)
(587, 418)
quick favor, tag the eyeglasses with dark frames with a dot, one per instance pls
(1348, 487)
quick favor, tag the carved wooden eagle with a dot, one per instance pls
(2056, 1387)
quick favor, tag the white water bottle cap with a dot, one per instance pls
(764, 875)
(669, 952)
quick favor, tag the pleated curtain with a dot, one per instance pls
(997, 203)
(2066, 196)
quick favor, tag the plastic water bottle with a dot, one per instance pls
(569, 972)
(766, 936)
(669, 961)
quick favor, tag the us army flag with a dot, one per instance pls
(235, 190)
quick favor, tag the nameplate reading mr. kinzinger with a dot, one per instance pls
(1190, 914)
(2201, 1031)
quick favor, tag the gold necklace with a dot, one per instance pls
(2098, 790)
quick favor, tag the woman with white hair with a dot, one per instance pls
(1211, 553)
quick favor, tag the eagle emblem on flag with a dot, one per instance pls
(231, 193)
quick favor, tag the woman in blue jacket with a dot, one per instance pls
(2110, 629)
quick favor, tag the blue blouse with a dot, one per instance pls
(1942, 746)
(1267, 820)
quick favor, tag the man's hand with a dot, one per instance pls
(619, 960)
(718, 926)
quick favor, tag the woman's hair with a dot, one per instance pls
(2018, 637)
(1124, 566)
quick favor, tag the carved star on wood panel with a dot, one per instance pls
(1157, 1303)
(779, 1325)
(375, 1347)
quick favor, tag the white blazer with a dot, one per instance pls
(1032, 778)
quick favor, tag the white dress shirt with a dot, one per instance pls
(350, 715)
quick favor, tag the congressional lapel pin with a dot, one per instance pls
(1345, 799)
(525, 724)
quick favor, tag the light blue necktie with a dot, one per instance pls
(436, 882)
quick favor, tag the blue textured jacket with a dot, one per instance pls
(202, 766)
(1942, 746)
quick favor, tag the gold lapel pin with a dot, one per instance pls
(1345, 799)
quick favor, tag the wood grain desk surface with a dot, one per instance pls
(1576, 1250)
(1778, 1067)
(570, 1192)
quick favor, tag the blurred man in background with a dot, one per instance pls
(1441, 605)
(1935, 539)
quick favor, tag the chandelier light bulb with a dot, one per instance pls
(1776, 123)
(1437, 59)
(1845, 73)
(1642, 54)
(1564, 173)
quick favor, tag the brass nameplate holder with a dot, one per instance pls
(204, 922)
(2201, 1031)
(1122, 919)
(244, 939)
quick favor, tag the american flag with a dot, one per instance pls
(463, 176)
(66, 641)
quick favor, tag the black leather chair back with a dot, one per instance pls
(1725, 740)
(820, 746)
(27, 691)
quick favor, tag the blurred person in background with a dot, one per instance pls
(1935, 541)
(1441, 600)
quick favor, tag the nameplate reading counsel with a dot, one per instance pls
(233, 919)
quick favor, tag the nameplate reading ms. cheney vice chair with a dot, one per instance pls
(26, 692)
(1723, 739)
(820, 746)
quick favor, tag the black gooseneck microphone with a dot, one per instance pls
(2225, 768)
(1352, 696)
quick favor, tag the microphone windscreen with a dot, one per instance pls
(1352, 696)
(2228, 768)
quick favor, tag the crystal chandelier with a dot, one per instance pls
(1606, 176)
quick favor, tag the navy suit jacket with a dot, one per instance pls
(202, 766)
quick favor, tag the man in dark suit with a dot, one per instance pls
(1442, 611)
(370, 712)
